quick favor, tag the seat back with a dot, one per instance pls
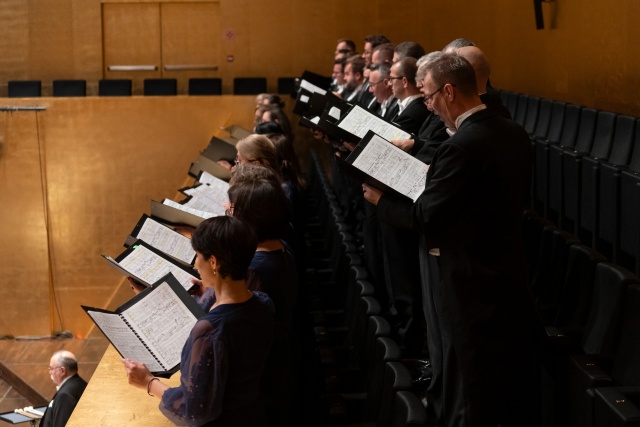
(115, 87)
(544, 119)
(521, 111)
(586, 131)
(205, 86)
(408, 411)
(601, 331)
(556, 123)
(70, 88)
(623, 140)
(24, 88)
(570, 126)
(160, 87)
(530, 121)
(577, 291)
(603, 136)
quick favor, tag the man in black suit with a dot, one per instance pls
(481, 66)
(412, 110)
(63, 368)
(470, 214)
(378, 86)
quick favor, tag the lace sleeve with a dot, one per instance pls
(203, 371)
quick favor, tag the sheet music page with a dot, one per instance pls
(311, 88)
(359, 121)
(208, 198)
(151, 267)
(164, 321)
(393, 167)
(123, 339)
(213, 181)
(196, 212)
(167, 240)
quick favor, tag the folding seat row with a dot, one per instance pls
(586, 173)
(151, 87)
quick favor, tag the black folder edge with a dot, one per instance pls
(199, 177)
(115, 263)
(159, 210)
(204, 163)
(219, 149)
(323, 82)
(301, 106)
(133, 236)
(173, 283)
(347, 166)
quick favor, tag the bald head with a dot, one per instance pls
(480, 65)
(62, 365)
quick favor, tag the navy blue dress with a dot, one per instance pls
(221, 366)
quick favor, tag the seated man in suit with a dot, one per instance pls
(63, 368)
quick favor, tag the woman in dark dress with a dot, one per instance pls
(261, 202)
(224, 357)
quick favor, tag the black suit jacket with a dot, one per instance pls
(471, 210)
(494, 103)
(412, 117)
(63, 402)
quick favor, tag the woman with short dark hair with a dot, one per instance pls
(224, 357)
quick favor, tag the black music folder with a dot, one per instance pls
(146, 265)
(386, 167)
(152, 327)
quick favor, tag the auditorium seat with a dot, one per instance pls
(531, 118)
(512, 103)
(24, 88)
(249, 85)
(205, 86)
(521, 110)
(408, 411)
(570, 178)
(570, 128)
(114, 87)
(70, 88)
(542, 152)
(160, 87)
(600, 189)
(287, 86)
(599, 336)
(622, 368)
(548, 282)
(577, 291)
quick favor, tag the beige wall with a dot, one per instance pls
(589, 58)
(74, 180)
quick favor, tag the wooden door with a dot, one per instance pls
(190, 40)
(132, 42)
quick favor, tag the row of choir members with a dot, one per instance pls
(425, 295)
(238, 366)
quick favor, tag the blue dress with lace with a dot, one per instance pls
(221, 365)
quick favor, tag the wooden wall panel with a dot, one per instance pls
(589, 58)
(24, 282)
(105, 159)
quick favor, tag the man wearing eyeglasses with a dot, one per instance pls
(378, 78)
(63, 369)
(412, 110)
(471, 212)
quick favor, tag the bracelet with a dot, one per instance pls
(149, 385)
